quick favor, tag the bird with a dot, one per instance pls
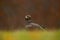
(30, 25)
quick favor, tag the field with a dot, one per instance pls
(30, 35)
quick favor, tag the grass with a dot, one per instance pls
(30, 35)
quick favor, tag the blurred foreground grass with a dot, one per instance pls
(30, 35)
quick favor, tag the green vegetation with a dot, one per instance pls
(30, 35)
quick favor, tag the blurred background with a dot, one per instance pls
(43, 12)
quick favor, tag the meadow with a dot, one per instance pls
(30, 35)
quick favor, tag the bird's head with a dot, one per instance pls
(28, 17)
